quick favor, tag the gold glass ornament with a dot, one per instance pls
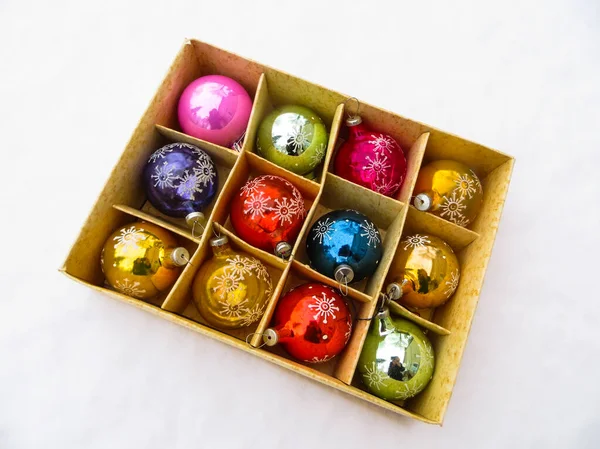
(426, 274)
(231, 289)
(450, 190)
(142, 259)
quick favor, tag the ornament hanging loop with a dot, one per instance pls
(249, 336)
(353, 119)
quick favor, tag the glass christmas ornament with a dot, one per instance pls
(450, 190)
(293, 137)
(371, 159)
(312, 322)
(214, 108)
(268, 213)
(344, 245)
(397, 359)
(141, 260)
(231, 289)
(426, 272)
(180, 181)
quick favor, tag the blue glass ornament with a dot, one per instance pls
(344, 245)
(180, 180)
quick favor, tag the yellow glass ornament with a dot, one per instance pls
(231, 290)
(450, 190)
(142, 259)
(426, 274)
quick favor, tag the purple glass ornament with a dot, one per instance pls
(214, 108)
(180, 179)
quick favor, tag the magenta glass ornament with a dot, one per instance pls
(214, 108)
(370, 159)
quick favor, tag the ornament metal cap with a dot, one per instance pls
(353, 120)
(219, 241)
(180, 256)
(193, 218)
(422, 202)
(384, 312)
(270, 337)
(283, 249)
(343, 273)
(394, 291)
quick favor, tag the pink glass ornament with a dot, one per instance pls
(214, 108)
(370, 159)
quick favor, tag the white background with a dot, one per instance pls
(78, 370)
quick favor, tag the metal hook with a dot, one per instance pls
(197, 222)
(357, 106)
(344, 285)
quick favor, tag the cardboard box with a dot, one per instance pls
(123, 201)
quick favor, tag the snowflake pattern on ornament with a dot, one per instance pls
(298, 203)
(322, 230)
(237, 145)
(129, 237)
(226, 283)
(241, 266)
(462, 221)
(233, 310)
(261, 271)
(252, 186)
(319, 360)
(370, 232)
(284, 210)
(377, 166)
(256, 204)
(452, 283)
(414, 241)
(373, 377)
(324, 307)
(386, 187)
(163, 176)
(348, 333)
(476, 181)
(382, 143)
(253, 315)
(407, 391)
(160, 153)
(425, 356)
(129, 288)
(189, 186)
(205, 172)
(318, 156)
(452, 207)
(299, 139)
(465, 186)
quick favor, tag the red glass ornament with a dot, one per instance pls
(312, 322)
(268, 213)
(372, 160)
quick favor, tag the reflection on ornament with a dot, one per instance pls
(372, 160)
(293, 137)
(180, 180)
(450, 190)
(425, 273)
(142, 260)
(214, 108)
(312, 322)
(268, 213)
(397, 359)
(344, 245)
(231, 289)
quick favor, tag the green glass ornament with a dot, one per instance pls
(293, 137)
(397, 359)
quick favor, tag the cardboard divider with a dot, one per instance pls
(297, 276)
(331, 112)
(250, 166)
(383, 211)
(414, 159)
(181, 299)
(457, 314)
(157, 221)
(456, 236)
(131, 216)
